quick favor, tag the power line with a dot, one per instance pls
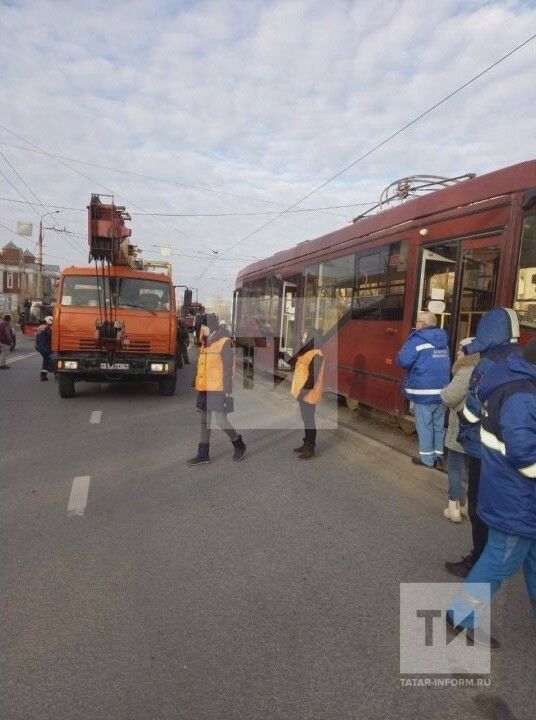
(373, 149)
(212, 215)
(23, 181)
(86, 177)
(28, 202)
(202, 188)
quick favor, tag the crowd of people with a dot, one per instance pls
(490, 396)
(492, 434)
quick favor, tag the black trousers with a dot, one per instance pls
(308, 416)
(478, 527)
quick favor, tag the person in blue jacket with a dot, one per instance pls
(507, 500)
(426, 358)
(496, 339)
(43, 345)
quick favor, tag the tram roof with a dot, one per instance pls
(514, 178)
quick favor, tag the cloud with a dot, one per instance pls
(258, 102)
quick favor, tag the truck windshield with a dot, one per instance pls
(90, 291)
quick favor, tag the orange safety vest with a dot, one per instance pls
(209, 376)
(301, 373)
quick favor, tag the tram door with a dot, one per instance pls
(478, 286)
(288, 318)
(458, 283)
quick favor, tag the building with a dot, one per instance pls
(18, 279)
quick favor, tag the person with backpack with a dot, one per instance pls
(43, 345)
(496, 338)
(507, 497)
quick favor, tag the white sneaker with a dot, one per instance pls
(452, 512)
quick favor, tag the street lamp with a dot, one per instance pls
(40, 254)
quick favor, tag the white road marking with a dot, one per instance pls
(95, 417)
(21, 357)
(78, 499)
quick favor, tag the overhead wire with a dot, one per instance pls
(245, 213)
(376, 147)
(144, 176)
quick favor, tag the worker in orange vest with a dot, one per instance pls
(307, 386)
(214, 385)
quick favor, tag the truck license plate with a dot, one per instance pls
(114, 366)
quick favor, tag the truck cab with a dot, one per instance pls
(138, 305)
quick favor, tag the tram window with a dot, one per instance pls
(259, 305)
(328, 292)
(525, 298)
(381, 283)
(310, 297)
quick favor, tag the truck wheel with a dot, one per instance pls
(166, 385)
(66, 385)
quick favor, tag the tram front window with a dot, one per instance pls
(525, 297)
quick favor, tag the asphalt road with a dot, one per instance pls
(265, 589)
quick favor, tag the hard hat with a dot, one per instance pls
(48, 319)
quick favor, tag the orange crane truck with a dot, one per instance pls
(114, 320)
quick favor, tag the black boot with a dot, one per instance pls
(308, 453)
(239, 448)
(44, 375)
(202, 455)
(302, 447)
(461, 568)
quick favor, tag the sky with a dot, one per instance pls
(225, 113)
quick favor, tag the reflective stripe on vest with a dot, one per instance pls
(529, 471)
(301, 373)
(424, 346)
(411, 391)
(492, 441)
(469, 416)
(209, 376)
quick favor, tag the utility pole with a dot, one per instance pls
(40, 255)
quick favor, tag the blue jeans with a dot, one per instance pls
(455, 466)
(503, 556)
(430, 425)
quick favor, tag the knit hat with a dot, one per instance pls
(529, 352)
(212, 321)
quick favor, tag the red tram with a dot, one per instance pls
(458, 251)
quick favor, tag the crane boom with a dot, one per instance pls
(108, 236)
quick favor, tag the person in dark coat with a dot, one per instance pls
(214, 385)
(183, 340)
(507, 498)
(43, 345)
(7, 341)
(496, 339)
(307, 387)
